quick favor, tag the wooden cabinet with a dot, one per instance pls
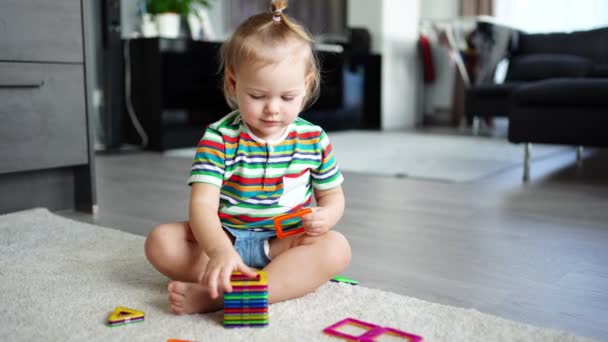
(46, 157)
(39, 30)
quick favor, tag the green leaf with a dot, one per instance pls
(183, 7)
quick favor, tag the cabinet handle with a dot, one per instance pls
(22, 85)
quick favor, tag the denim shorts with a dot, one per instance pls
(250, 246)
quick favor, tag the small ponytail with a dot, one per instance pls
(277, 7)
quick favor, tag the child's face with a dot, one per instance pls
(270, 97)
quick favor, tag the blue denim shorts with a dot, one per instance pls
(250, 246)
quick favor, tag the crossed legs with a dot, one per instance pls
(300, 264)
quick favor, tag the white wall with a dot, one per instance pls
(437, 96)
(393, 25)
(400, 61)
(368, 14)
(129, 18)
(439, 9)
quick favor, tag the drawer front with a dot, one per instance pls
(41, 30)
(43, 121)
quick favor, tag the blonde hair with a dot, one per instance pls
(254, 39)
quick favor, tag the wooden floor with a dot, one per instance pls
(535, 252)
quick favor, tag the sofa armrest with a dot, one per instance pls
(543, 66)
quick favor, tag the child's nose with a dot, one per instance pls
(272, 107)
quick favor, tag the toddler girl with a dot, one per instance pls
(256, 163)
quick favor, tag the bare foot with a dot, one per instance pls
(190, 298)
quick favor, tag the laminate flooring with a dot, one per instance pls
(534, 252)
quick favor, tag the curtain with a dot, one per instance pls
(320, 17)
(470, 8)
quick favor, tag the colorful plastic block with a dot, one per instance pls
(338, 279)
(378, 333)
(372, 332)
(247, 304)
(122, 315)
(279, 220)
(332, 329)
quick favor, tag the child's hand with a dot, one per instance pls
(316, 223)
(219, 268)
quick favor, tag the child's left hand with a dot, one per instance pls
(316, 223)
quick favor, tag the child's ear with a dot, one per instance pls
(231, 80)
(308, 79)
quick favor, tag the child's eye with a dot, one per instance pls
(287, 98)
(256, 97)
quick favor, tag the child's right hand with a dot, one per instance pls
(219, 268)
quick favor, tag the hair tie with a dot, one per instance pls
(276, 15)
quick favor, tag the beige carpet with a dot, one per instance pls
(438, 157)
(60, 279)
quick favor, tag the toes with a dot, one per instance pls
(187, 298)
(177, 287)
(176, 303)
(176, 297)
(178, 310)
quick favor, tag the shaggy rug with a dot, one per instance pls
(61, 279)
(439, 157)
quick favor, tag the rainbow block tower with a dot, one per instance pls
(247, 304)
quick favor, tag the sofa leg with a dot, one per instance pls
(579, 156)
(476, 123)
(527, 148)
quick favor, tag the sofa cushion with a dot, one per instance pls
(499, 89)
(555, 93)
(592, 44)
(599, 70)
(542, 66)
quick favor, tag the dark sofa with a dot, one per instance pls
(555, 91)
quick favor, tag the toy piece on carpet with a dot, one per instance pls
(372, 331)
(247, 304)
(122, 315)
(278, 221)
(339, 279)
(178, 340)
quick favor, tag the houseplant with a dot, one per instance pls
(169, 13)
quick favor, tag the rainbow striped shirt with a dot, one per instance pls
(260, 180)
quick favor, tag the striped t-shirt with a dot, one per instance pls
(260, 180)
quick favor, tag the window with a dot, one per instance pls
(552, 15)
